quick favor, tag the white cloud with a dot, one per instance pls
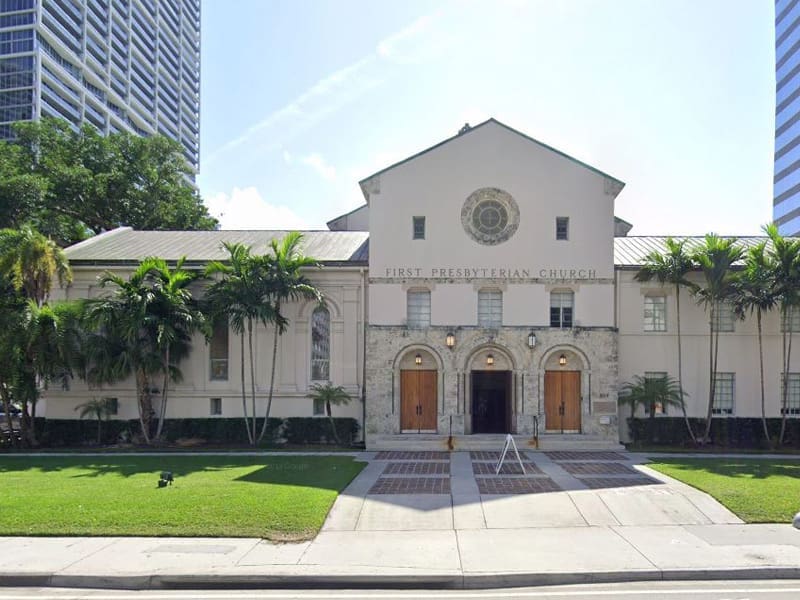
(244, 208)
(320, 165)
(401, 42)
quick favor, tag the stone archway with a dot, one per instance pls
(418, 370)
(565, 372)
(490, 390)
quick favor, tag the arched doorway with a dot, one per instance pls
(562, 392)
(491, 391)
(419, 383)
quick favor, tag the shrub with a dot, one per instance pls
(727, 432)
(310, 430)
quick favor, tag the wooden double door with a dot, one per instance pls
(562, 401)
(418, 400)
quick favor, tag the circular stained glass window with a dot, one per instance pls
(490, 216)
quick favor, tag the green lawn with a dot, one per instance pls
(276, 497)
(758, 490)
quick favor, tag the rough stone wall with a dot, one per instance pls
(593, 349)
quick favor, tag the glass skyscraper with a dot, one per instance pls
(121, 65)
(786, 190)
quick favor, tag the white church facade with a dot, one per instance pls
(485, 288)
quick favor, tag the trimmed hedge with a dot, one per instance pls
(59, 433)
(726, 432)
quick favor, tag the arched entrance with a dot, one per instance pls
(562, 391)
(418, 391)
(491, 390)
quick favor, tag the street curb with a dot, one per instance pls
(394, 581)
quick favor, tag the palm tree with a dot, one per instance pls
(784, 255)
(32, 262)
(238, 294)
(100, 409)
(285, 282)
(143, 329)
(755, 292)
(671, 268)
(715, 260)
(332, 396)
(650, 393)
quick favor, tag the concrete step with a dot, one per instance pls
(430, 441)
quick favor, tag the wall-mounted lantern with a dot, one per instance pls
(490, 360)
(531, 340)
(450, 340)
(562, 360)
(418, 359)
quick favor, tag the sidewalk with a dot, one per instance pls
(437, 520)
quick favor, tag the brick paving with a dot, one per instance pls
(484, 455)
(508, 468)
(516, 485)
(597, 483)
(411, 485)
(560, 455)
(419, 455)
(417, 468)
(598, 468)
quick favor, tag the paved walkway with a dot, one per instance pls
(446, 520)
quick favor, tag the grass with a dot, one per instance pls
(277, 497)
(757, 490)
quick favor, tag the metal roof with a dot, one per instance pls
(631, 251)
(125, 245)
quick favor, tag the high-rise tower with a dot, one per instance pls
(121, 65)
(786, 187)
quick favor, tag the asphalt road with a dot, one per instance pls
(690, 590)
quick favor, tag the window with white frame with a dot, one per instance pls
(792, 318)
(490, 308)
(660, 408)
(561, 309)
(792, 407)
(655, 313)
(215, 406)
(218, 352)
(724, 318)
(724, 394)
(320, 344)
(418, 315)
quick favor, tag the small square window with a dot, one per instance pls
(724, 394)
(562, 228)
(319, 408)
(655, 313)
(216, 406)
(419, 228)
(724, 318)
(113, 405)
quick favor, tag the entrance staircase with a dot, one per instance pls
(489, 441)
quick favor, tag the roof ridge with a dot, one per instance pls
(100, 236)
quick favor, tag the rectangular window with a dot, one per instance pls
(319, 408)
(218, 352)
(419, 228)
(724, 317)
(724, 390)
(660, 409)
(562, 228)
(113, 405)
(215, 407)
(655, 313)
(792, 318)
(490, 308)
(793, 399)
(418, 309)
(561, 309)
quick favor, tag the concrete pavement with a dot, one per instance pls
(613, 519)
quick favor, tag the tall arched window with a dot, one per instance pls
(320, 344)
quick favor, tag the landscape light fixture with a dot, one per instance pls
(531, 340)
(490, 360)
(418, 359)
(562, 360)
(450, 340)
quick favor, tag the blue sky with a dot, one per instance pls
(303, 98)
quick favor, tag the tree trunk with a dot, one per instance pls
(7, 409)
(785, 410)
(252, 376)
(712, 368)
(272, 375)
(143, 405)
(680, 364)
(162, 412)
(333, 424)
(244, 395)
(761, 367)
(99, 429)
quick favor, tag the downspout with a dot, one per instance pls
(364, 356)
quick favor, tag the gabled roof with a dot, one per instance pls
(127, 246)
(631, 251)
(470, 130)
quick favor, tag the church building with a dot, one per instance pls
(486, 287)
